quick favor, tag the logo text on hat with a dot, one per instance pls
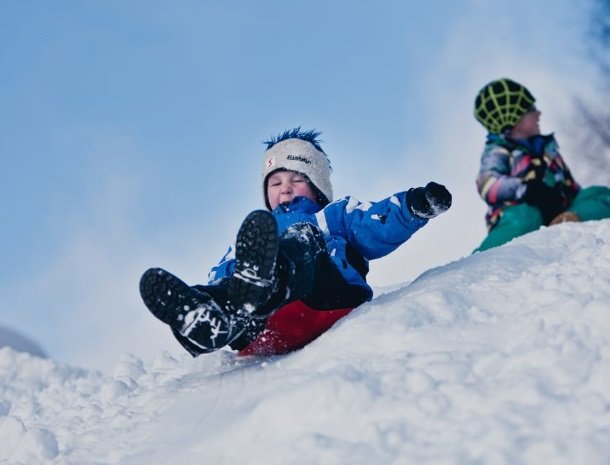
(299, 158)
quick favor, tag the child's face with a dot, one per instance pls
(527, 126)
(283, 186)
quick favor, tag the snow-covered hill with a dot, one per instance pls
(502, 357)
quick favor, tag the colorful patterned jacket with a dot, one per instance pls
(506, 165)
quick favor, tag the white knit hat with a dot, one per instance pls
(300, 156)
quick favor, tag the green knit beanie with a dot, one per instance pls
(501, 104)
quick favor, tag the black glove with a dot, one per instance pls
(428, 202)
(549, 200)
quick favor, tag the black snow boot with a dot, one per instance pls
(189, 312)
(255, 277)
(213, 316)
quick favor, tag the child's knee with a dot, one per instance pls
(516, 220)
(592, 203)
(521, 219)
(302, 244)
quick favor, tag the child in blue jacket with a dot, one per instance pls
(304, 248)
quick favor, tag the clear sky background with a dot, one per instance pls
(131, 135)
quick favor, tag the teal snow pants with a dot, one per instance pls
(591, 203)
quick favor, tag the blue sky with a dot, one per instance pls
(131, 135)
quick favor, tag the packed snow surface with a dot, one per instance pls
(502, 357)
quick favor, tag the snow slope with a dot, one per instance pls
(502, 357)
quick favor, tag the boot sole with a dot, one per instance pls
(256, 252)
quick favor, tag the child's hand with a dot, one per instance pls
(430, 201)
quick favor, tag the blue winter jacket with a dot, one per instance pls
(373, 229)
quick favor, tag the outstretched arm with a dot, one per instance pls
(377, 228)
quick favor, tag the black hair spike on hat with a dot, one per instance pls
(310, 136)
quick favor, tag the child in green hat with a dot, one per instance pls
(523, 178)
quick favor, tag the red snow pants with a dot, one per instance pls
(292, 327)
